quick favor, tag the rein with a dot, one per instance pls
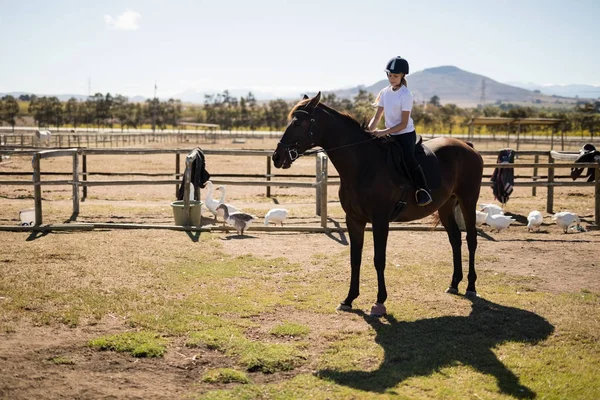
(311, 152)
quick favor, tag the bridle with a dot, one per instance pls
(292, 149)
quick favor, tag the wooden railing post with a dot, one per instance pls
(268, 175)
(550, 197)
(535, 172)
(37, 189)
(323, 191)
(177, 171)
(84, 175)
(75, 184)
(597, 197)
(318, 176)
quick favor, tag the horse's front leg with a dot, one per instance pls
(381, 228)
(356, 231)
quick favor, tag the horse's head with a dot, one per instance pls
(298, 136)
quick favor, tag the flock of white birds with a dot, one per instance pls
(493, 215)
(490, 214)
(229, 214)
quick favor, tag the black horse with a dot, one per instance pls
(369, 191)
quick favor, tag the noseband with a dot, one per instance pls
(292, 149)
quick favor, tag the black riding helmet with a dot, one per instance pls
(397, 65)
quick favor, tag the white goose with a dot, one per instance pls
(209, 202)
(492, 209)
(565, 219)
(499, 222)
(534, 220)
(230, 207)
(239, 220)
(276, 215)
(480, 218)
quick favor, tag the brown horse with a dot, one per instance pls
(368, 192)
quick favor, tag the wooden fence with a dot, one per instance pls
(320, 180)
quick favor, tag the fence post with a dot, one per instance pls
(597, 197)
(318, 177)
(268, 175)
(324, 175)
(75, 184)
(550, 197)
(37, 189)
(535, 172)
(84, 175)
(177, 171)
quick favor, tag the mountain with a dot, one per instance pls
(451, 84)
(581, 91)
(454, 85)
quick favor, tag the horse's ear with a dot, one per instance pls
(304, 97)
(314, 101)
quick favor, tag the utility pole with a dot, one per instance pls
(154, 104)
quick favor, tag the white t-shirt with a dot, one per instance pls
(393, 103)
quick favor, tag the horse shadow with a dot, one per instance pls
(422, 347)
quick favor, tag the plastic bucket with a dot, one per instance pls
(195, 213)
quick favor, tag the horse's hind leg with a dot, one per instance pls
(447, 219)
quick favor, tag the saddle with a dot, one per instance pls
(424, 156)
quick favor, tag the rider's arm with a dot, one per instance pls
(402, 125)
(375, 120)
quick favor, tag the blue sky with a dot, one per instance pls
(286, 46)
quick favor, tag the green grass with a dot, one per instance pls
(60, 360)
(290, 329)
(138, 344)
(252, 355)
(225, 375)
(273, 320)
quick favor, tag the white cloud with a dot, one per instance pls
(127, 21)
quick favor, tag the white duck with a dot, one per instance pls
(534, 220)
(564, 219)
(480, 218)
(276, 215)
(209, 202)
(239, 220)
(499, 222)
(492, 209)
(230, 207)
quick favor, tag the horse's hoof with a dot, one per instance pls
(378, 310)
(471, 294)
(452, 290)
(343, 307)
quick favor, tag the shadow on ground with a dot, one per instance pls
(422, 347)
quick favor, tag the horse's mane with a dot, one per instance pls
(345, 116)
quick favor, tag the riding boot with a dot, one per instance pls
(423, 194)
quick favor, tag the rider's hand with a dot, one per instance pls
(379, 133)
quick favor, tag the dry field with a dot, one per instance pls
(60, 290)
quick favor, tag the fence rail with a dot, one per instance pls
(320, 181)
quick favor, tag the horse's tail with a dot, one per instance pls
(436, 220)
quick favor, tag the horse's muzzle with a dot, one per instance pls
(280, 160)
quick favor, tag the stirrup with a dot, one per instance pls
(427, 200)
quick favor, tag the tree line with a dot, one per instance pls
(106, 110)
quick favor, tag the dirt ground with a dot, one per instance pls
(556, 262)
